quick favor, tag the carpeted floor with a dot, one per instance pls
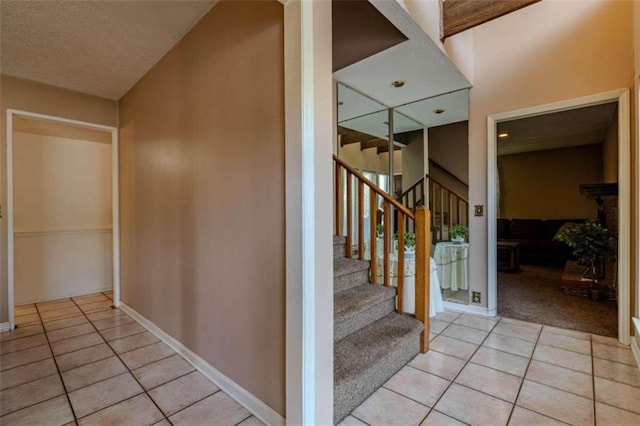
(534, 295)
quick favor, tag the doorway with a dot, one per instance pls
(62, 209)
(621, 98)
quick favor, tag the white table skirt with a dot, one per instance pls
(453, 265)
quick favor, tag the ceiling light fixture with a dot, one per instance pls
(439, 110)
(503, 135)
(397, 83)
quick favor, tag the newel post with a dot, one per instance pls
(423, 272)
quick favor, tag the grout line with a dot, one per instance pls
(29, 406)
(134, 334)
(78, 349)
(111, 405)
(356, 417)
(593, 379)
(128, 369)
(195, 402)
(246, 418)
(64, 386)
(30, 381)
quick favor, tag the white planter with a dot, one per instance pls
(457, 240)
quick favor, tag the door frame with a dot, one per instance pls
(622, 97)
(115, 201)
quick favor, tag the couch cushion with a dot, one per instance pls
(525, 229)
(503, 229)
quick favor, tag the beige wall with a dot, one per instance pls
(412, 160)
(584, 50)
(635, 292)
(35, 97)
(545, 184)
(369, 159)
(202, 195)
(449, 147)
(610, 153)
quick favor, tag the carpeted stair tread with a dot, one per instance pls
(346, 266)
(366, 359)
(339, 239)
(359, 306)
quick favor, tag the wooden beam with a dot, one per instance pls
(348, 136)
(461, 15)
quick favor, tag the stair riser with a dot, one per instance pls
(339, 250)
(363, 318)
(353, 279)
(347, 396)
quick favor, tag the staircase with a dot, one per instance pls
(372, 341)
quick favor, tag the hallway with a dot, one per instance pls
(79, 361)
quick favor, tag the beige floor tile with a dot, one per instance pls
(84, 356)
(138, 410)
(97, 306)
(65, 322)
(565, 342)
(29, 319)
(26, 356)
(73, 331)
(493, 382)
(25, 309)
(146, 355)
(54, 411)
(473, 407)
(437, 326)
(436, 418)
(122, 331)
(182, 392)
(608, 415)
(526, 324)
(105, 323)
(90, 298)
(27, 373)
(467, 334)
(22, 343)
(417, 385)
(21, 332)
(555, 403)
(474, 321)
(55, 305)
(509, 344)
(95, 316)
(163, 422)
(563, 358)
(439, 364)
(453, 347)
(252, 421)
(565, 332)
(561, 378)
(109, 294)
(447, 316)
(218, 409)
(103, 394)
(351, 421)
(616, 372)
(384, 407)
(92, 373)
(162, 371)
(60, 313)
(613, 353)
(132, 342)
(503, 361)
(604, 340)
(618, 394)
(75, 343)
(523, 417)
(31, 393)
(432, 335)
(516, 330)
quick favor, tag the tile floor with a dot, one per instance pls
(483, 371)
(79, 361)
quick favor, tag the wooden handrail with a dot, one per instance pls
(437, 182)
(421, 225)
(374, 187)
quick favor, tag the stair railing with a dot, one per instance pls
(421, 223)
(448, 206)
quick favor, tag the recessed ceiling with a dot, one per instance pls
(97, 47)
(576, 127)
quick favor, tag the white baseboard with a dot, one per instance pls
(635, 348)
(5, 326)
(471, 309)
(245, 398)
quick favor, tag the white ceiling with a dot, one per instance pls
(455, 106)
(97, 47)
(424, 68)
(583, 126)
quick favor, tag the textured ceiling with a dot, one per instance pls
(576, 127)
(97, 47)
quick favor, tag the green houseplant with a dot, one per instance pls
(592, 245)
(459, 233)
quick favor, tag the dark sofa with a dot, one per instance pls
(537, 246)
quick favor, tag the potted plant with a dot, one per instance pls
(459, 233)
(592, 245)
(380, 231)
(409, 243)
